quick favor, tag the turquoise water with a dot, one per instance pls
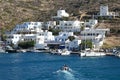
(39, 66)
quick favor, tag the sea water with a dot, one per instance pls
(44, 66)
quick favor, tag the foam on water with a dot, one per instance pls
(65, 75)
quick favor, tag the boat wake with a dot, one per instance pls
(66, 75)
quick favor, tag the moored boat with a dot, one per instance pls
(65, 52)
(61, 52)
(2, 50)
(91, 54)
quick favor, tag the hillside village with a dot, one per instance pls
(19, 11)
(59, 31)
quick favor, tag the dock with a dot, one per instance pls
(75, 52)
(110, 54)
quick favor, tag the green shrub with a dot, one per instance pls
(71, 38)
(54, 31)
(27, 44)
(86, 44)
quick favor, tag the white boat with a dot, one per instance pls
(65, 52)
(61, 52)
(21, 50)
(117, 54)
(91, 54)
(2, 50)
(56, 52)
(95, 54)
(83, 53)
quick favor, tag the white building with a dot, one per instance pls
(49, 24)
(48, 36)
(70, 26)
(73, 45)
(95, 35)
(30, 31)
(40, 43)
(13, 38)
(92, 23)
(28, 27)
(61, 13)
(63, 36)
(104, 11)
(39, 40)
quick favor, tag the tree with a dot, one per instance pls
(86, 44)
(82, 28)
(2, 34)
(71, 38)
(27, 44)
(54, 31)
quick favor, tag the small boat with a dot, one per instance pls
(65, 52)
(2, 50)
(117, 54)
(91, 54)
(61, 52)
(65, 68)
(9, 49)
(56, 52)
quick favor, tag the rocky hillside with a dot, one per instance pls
(14, 12)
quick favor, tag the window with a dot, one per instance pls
(65, 24)
(70, 24)
(36, 23)
(64, 34)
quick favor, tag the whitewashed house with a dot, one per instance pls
(104, 11)
(97, 36)
(29, 31)
(13, 38)
(48, 36)
(73, 45)
(70, 26)
(28, 27)
(63, 36)
(40, 43)
(23, 30)
(92, 23)
(61, 13)
(49, 24)
(39, 40)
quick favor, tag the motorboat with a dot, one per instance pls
(117, 54)
(83, 53)
(91, 54)
(65, 52)
(9, 49)
(65, 68)
(61, 52)
(56, 52)
(2, 50)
